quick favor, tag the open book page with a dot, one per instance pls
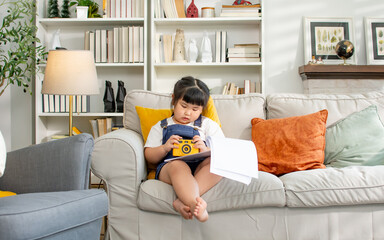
(235, 159)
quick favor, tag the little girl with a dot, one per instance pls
(189, 180)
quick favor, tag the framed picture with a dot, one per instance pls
(321, 36)
(374, 40)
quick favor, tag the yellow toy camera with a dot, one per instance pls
(185, 148)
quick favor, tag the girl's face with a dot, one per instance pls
(185, 113)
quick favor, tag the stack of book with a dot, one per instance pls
(117, 45)
(100, 126)
(231, 88)
(169, 9)
(241, 10)
(244, 53)
(123, 8)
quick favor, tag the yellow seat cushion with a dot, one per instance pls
(6, 194)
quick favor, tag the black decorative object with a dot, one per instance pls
(109, 100)
(65, 9)
(121, 92)
(344, 50)
(53, 9)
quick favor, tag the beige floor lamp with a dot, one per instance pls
(70, 73)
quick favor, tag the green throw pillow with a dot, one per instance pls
(357, 140)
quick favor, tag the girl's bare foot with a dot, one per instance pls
(184, 210)
(200, 211)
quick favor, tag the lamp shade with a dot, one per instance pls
(70, 73)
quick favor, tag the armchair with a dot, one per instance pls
(53, 200)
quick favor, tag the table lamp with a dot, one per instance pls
(70, 73)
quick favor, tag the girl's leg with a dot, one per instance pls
(178, 174)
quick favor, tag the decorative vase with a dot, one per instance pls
(179, 50)
(121, 92)
(206, 51)
(193, 52)
(82, 12)
(192, 11)
(109, 101)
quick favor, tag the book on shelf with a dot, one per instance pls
(171, 9)
(243, 50)
(240, 6)
(180, 8)
(231, 88)
(101, 126)
(168, 48)
(237, 55)
(60, 103)
(223, 46)
(218, 47)
(223, 151)
(243, 59)
(123, 8)
(240, 14)
(118, 45)
(241, 10)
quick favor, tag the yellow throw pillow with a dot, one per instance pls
(6, 194)
(149, 116)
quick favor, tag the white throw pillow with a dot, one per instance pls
(3, 155)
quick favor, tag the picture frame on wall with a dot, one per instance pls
(321, 36)
(374, 40)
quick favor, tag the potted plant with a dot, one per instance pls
(93, 7)
(19, 48)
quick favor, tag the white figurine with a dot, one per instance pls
(193, 52)
(55, 40)
(206, 51)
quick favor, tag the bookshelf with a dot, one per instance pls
(215, 74)
(134, 75)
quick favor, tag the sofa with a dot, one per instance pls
(331, 203)
(53, 198)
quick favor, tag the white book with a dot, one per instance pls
(110, 46)
(157, 48)
(247, 86)
(245, 59)
(86, 40)
(218, 47)
(92, 43)
(51, 103)
(116, 45)
(45, 103)
(130, 44)
(223, 151)
(95, 131)
(103, 45)
(108, 9)
(121, 43)
(123, 8)
(243, 54)
(136, 44)
(118, 9)
(124, 49)
(141, 45)
(240, 14)
(57, 103)
(62, 103)
(223, 45)
(244, 50)
(67, 103)
(113, 8)
(98, 45)
(129, 8)
(258, 86)
(173, 8)
(84, 103)
(78, 103)
(133, 7)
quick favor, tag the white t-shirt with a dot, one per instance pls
(208, 128)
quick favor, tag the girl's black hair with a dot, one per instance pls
(191, 90)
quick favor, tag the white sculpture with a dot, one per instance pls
(179, 50)
(55, 40)
(206, 51)
(193, 52)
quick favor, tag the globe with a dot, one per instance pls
(344, 49)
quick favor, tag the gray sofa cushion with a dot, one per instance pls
(40, 215)
(335, 186)
(265, 191)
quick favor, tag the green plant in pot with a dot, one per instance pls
(93, 7)
(19, 47)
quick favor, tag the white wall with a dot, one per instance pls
(284, 47)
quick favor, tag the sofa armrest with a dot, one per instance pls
(118, 159)
(60, 165)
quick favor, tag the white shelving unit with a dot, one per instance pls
(134, 75)
(215, 75)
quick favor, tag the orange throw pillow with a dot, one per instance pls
(290, 144)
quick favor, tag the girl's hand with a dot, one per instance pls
(199, 143)
(169, 145)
